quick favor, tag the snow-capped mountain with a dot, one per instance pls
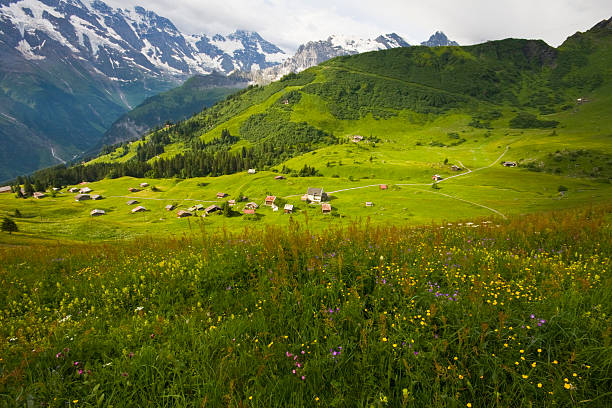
(316, 52)
(123, 43)
(438, 39)
(70, 68)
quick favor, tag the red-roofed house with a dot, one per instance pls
(270, 200)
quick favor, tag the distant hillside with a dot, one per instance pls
(507, 84)
(180, 103)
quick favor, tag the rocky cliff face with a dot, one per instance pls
(316, 52)
(438, 39)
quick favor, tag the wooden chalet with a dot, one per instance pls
(73, 190)
(280, 178)
(132, 202)
(96, 197)
(231, 203)
(221, 195)
(251, 206)
(133, 190)
(183, 214)
(315, 195)
(140, 208)
(143, 185)
(82, 197)
(5, 189)
(85, 190)
(454, 167)
(369, 204)
(270, 200)
(357, 138)
(38, 195)
(170, 207)
(212, 209)
(288, 208)
(249, 211)
(96, 213)
(436, 177)
(326, 208)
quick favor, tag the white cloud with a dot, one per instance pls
(291, 23)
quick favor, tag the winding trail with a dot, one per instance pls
(469, 171)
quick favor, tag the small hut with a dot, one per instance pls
(270, 200)
(251, 206)
(279, 178)
(96, 213)
(85, 190)
(133, 190)
(132, 202)
(183, 214)
(369, 204)
(144, 185)
(326, 208)
(170, 207)
(82, 197)
(140, 208)
(221, 195)
(249, 211)
(288, 208)
(38, 195)
(96, 197)
(252, 171)
(231, 203)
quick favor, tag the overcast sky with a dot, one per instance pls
(291, 23)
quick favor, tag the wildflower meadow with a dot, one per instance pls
(488, 313)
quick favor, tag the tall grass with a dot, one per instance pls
(509, 314)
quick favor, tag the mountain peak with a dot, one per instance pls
(438, 39)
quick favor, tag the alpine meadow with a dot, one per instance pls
(410, 227)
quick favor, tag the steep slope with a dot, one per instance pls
(180, 103)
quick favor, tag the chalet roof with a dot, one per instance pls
(133, 190)
(132, 202)
(252, 205)
(325, 207)
(86, 190)
(221, 195)
(212, 208)
(270, 198)
(39, 194)
(140, 208)
(170, 207)
(279, 178)
(183, 213)
(80, 197)
(5, 189)
(289, 207)
(250, 211)
(144, 184)
(97, 212)
(314, 191)
(96, 197)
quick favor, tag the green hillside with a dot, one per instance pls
(420, 111)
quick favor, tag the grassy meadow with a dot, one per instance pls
(512, 312)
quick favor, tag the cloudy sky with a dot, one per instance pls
(291, 23)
